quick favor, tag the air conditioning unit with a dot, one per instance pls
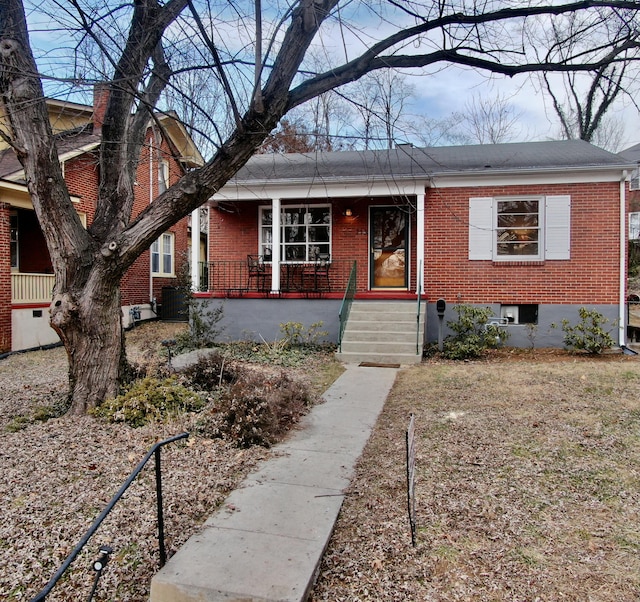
(510, 313)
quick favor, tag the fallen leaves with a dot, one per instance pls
(527, 487)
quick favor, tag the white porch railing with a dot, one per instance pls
(31, 288)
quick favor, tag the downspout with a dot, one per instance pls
(622, 328)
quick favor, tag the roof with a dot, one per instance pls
(69, 143)
(632, 153)
(74, 135)
(411, 162)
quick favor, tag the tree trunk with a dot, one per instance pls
(89, 324)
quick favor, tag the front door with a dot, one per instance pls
(389, 235)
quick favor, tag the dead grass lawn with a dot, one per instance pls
(528, 486)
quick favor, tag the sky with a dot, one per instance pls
(449, 91)
(437, 95)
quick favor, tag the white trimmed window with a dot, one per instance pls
(634, 225)
(305, 232)
(531, 228)
(634, 181)
(163, 175)
(162, 253)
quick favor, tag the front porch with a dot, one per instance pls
(30, 299)
(31, 288)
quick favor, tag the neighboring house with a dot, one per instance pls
(633, 314)
(26, 271)
(532, 230)
(632, 154)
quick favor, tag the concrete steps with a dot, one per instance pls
(382, 332)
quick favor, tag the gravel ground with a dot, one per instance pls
(56, 476)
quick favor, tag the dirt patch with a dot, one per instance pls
(527, 485)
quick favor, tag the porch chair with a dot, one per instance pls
(256, 270)
(321, 271)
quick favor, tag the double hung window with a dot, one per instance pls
(162, 251)
(531, 228)
(518, 228)
(305, 232)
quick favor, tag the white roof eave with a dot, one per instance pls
(411, 184)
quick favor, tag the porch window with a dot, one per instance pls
(305, 232)
(13, 224)
(162, 251)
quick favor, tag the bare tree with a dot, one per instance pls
(582, 100)
(261, 81)
(490, 120)
(380, 99)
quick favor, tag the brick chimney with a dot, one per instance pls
(100, 100)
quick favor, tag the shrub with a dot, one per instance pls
(210, 372)
(258, 409)
(473, 336)
(589, 334)
(203, 326)
(149, 400)
(296, 334)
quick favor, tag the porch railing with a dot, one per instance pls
(231, 278)
(347, 300)
(31, 288)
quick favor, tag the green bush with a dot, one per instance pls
(590, 334)
(258, 409)
(473, 336)
(150, 400)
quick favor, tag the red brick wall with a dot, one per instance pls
(136, 285)
(590, 276)
(82, 176)
(5, 278)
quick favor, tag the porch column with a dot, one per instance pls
(195, 249)
(420, 243)
(275, 249)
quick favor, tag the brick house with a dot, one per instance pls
(26, 271)
(532, 230)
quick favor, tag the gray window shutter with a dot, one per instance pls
(481, 228)
(557, 227)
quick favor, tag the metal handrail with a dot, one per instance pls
(155, 450)
(347, 300)
(419, 290)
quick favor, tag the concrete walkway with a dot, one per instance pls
(267, 539)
